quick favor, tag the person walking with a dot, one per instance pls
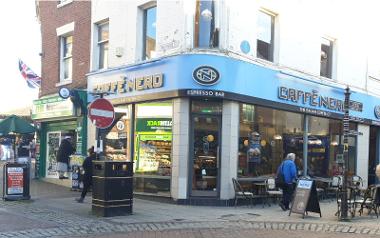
(87, 177)
(64, 151)
(288, 168)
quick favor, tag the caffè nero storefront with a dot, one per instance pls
(195, 121)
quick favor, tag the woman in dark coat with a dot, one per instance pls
(87, 176)
(64, 151)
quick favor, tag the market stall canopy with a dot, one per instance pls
(15, 124)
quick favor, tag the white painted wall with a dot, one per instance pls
(229, 150)
(363, 153)
(180, 148)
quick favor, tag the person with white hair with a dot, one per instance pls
(64, 151)
(289, 171)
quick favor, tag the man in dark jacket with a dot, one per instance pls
(87, 176)
(288, 169)
(64, 151)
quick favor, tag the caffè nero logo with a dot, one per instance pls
(206, 75)
(377, 111)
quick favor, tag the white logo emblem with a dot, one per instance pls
(206, 75)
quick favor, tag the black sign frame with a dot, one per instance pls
(305, 198)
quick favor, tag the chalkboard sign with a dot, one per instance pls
(305, 198)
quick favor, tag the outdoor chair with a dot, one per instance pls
(370, 201)
(334, 186)
(350, 202)
(240, 193)
(271, 191)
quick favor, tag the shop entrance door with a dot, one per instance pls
(53, 142)
(205, 154)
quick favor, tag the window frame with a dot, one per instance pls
(329, 58)
(63, 58)
(144, 33)
(272, 30)
(214, 41)
(103, 43)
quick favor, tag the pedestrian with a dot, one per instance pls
(87, 176)
(288, 168)
(64, 151)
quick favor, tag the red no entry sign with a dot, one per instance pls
(101, 113)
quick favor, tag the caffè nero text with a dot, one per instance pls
(127, 85)
(311, 98)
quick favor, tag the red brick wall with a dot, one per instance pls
(52, 18)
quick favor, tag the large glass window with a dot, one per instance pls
(206, 35)
(103, 37)
(149, 36)
(265, 137)
(325, 147)
(265, 39)
(153, 143)
(117, 138)
(66, 57)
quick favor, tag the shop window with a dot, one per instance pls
(149, 33)
(206, 34)
(153, 141)
(118, 136)
(103, 38)
(325, 147)
(265, 36)
(326, 58)
(66, 61)
(265, 137)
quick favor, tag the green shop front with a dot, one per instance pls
(56, 118)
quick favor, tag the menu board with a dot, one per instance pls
(305, 198)
(15, 180)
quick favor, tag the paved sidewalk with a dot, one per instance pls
(52, 212)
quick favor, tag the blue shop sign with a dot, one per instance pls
(236, 80)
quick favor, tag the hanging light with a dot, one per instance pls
(206, 15)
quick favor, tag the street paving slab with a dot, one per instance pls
(52, 212)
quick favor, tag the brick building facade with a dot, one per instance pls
(54, 15)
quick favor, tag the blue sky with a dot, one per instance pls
(20, 39)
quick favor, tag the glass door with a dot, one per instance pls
(53, 142)
(205, 155)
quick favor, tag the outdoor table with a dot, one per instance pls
(257, 183)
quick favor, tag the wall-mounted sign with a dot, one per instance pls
(314, 99)
(127, 85)
(206, 75)
(377, 111)
(52, 107)
(204, 93)
(153, 124)
(64, 93)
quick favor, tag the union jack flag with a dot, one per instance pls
(33, 80)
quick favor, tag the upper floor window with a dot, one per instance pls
(103, 38)
(66, 59)
(206, 35)
(149, 33)
(265, 36)
(326, 58)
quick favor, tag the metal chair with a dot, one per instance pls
(334, 186)
(370, 201)
(271, 191)
(240, 193)
(350, 202)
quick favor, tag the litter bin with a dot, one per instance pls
(112, 188)
(16, 181)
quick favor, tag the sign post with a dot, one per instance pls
(346, 131)
(102, 114)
